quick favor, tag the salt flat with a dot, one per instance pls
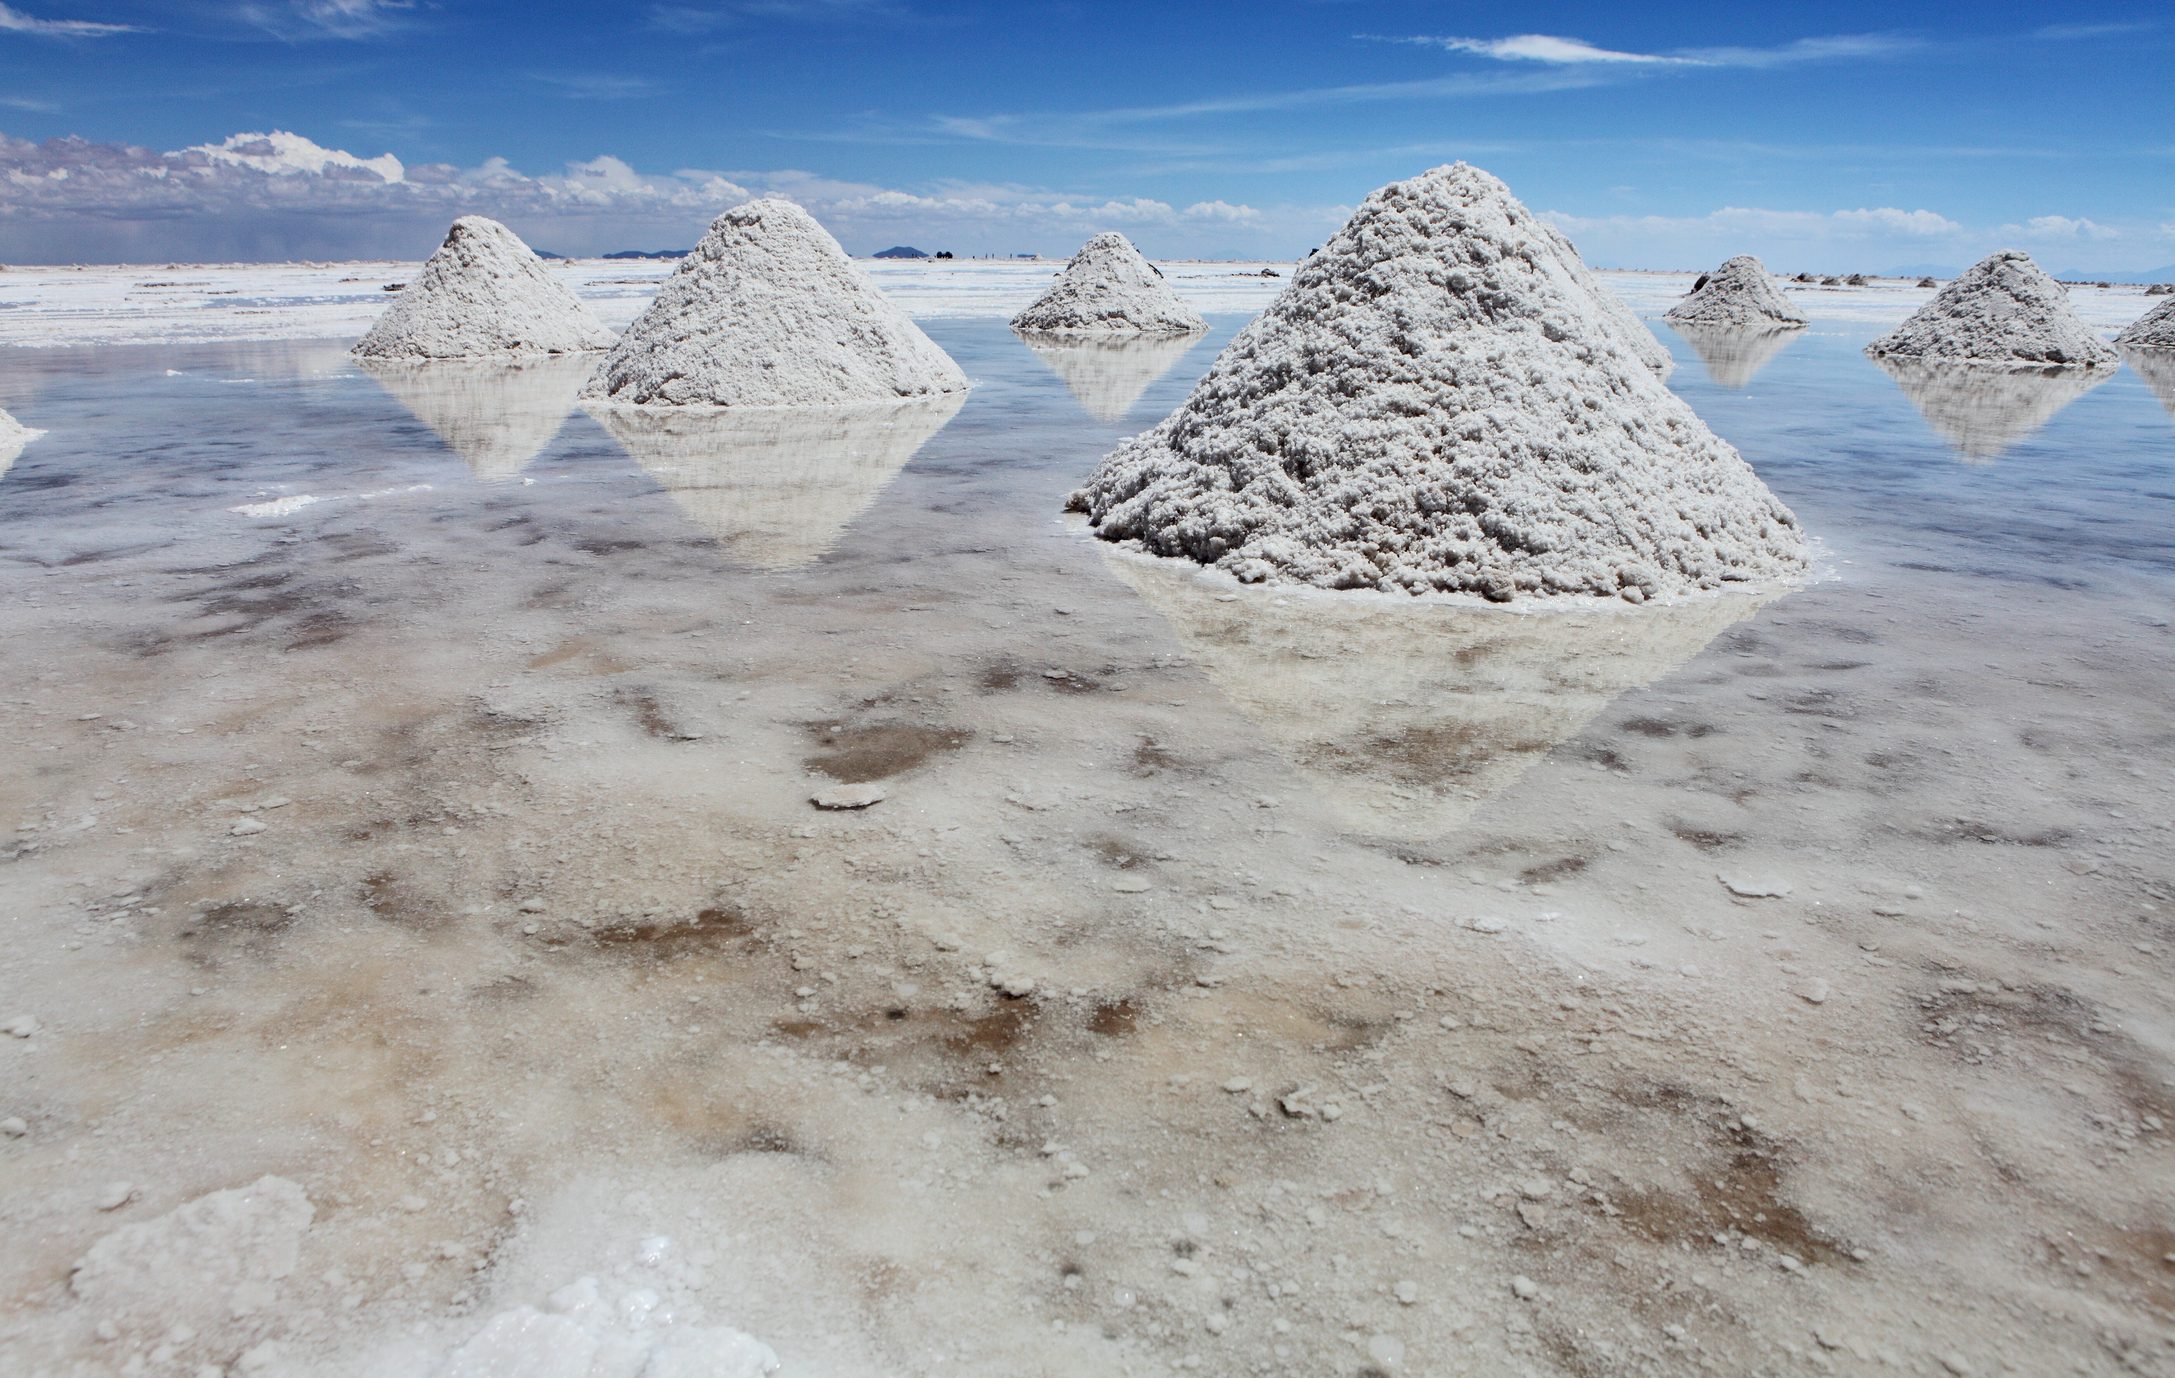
(410, 801)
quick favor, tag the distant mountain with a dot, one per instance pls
(651, 253)
(901, 251)
(2166, 274)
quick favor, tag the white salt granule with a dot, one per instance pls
(1444, 401)
(2153, 330)
(2005, 310)
(1109, 289)
(483, 293)
(1738, 294)
(769, 312)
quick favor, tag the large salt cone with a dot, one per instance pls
(496, 414)
(1109, 289)
(1107, 376)
(484, 294)
(2004, 311)
(1984, 412)
(1407, 716)
(1734, 356)
(776, 487)
(769, 312)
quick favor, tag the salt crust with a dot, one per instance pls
(1444, 401)
(1738, 294)
(587, 1332)
(769, 312)
(2004, 311)
(1109, 289)
(2153, 330)
(483, 293)
(203, 1264)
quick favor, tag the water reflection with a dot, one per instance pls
(1408, 715)
(1983, 411)
(1108, 376)
(776, 486)
(12, 441)
(496, 414)
(2157, 368)
(1734, 356)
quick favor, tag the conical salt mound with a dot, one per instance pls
(14, 435)
(2005, 310)
(2153, 330)
(1107, 375)
(483, 293)
(777, 486)
(1109, 289)
(1734, 355)
(769, 312)
(1984, 412)
(497, 414)
(1738, 295)
(1442, 400)
(2155, 366)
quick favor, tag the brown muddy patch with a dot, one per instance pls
(241, 925)
(1544, 872)
(1151, 757)
(650, 714)
(1117, 853)
(1424, 755)
(1113, 1018)
(856, 754)
(396, 900)
(1706, 839)
(666, 939)
(1740, 1188)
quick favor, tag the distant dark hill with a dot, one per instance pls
(901, 251)
(651, 253)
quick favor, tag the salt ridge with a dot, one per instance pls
(1443, 400)
(1109, 289)
(769, 312)
(483, 293)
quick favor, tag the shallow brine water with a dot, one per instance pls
(411, 783)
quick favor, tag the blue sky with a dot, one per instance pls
(1842, 136)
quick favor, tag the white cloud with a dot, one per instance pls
(1903, 222)
(1576, 52)
(2066, 227)
(13, 20)
(1220, 210)
(333, 18)
(1540, 47)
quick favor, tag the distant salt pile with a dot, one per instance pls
(2005, 310)
(2153, 330)
(769, 312)
(1444, 400)
(484, 293)
(1109, 289)
(1737, 295)
(14, 435)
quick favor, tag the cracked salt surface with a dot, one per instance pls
(1258, 1018)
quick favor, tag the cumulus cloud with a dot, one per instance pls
(1861, 239)
(2066, 227)
(13, 20)
(280, 194)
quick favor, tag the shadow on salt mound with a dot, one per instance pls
(776, 486)
(496, 414)
(1408, 716)
(1983, 412)
(1734, 356)
(1107, 377)
(2155, 366)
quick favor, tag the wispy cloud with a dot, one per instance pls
(2110, 29)
(351, 19)
(597, 85)
(725, 14)
(1555, 51)
(13, 20)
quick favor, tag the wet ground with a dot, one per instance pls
(411, 800)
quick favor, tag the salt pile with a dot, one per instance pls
(2005, 310)
(1444, 400)
(497, 414)
(483, 293)
(14, 435)
(1985, 412)
(769, 312)
(2153, 330)
(1109, 289)
(1738, 294)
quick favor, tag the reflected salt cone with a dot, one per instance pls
(1108, 376)
(776, 486)
(13, 437)
(2157, 368)
(1734, 355)
(1407, 716)
(1982, 411)
(497, 414)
